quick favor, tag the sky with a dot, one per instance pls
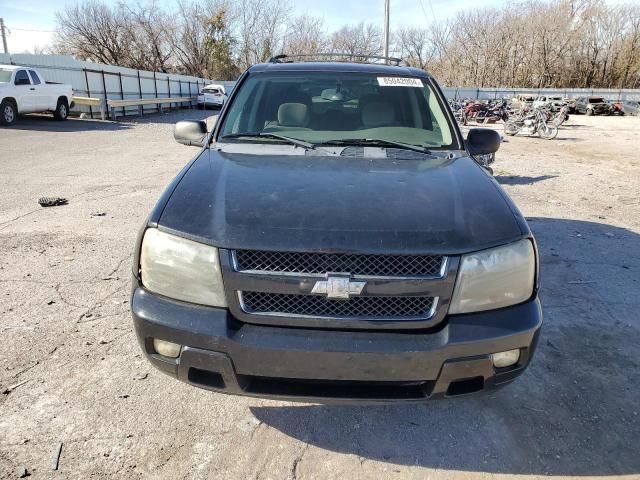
(32, 22)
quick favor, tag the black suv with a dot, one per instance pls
(334, 239)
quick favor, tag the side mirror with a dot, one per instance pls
(481, 141)
(191, 132)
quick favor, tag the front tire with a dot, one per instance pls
(62, 110)
(548, 132)
(510, 129)
(589, 112)
(8, 113)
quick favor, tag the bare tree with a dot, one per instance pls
(357, 40)
(147, 30)
(188, 39)
(533, 43)
(306, 35)
(260, 26)
(416, 46)
(93, 31)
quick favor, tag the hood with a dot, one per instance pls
(334, 203)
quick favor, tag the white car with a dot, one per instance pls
(212, 96)
(555, 103)
(24, 90)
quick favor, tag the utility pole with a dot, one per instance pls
(386, 28)
(4, 35)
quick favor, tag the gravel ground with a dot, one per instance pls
(71, 372)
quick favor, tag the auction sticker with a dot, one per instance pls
(400, 82)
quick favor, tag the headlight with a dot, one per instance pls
(495, 278)
(181, 269)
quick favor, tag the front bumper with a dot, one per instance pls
(221, 354)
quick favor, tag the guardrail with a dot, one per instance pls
(110, 105)
(139, 102)
(91, 102)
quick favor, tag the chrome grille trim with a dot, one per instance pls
(437, 270)
(336, 305)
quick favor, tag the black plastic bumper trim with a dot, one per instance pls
(327, 365)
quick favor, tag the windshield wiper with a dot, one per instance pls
(292, 141)
(376, 141)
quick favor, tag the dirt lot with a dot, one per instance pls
(71, 370)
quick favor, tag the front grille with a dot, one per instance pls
(388, 307)
(355, 264)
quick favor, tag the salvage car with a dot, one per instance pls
(553, 103)
(592, 106)
(522, 100)
(23, 90)
(334, 240)
(211, 96)
(631, 107)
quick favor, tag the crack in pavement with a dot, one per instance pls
(293, 475)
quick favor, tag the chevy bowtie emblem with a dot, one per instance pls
(338, 286)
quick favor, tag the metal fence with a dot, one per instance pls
(508, 93)
(98, 80)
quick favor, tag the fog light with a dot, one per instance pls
(505, 359)
(166, 349)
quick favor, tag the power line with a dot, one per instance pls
(32, 30)
(433, 14)
(426, 17)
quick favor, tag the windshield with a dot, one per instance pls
(5, 75)
(210, 90)
(340, 107)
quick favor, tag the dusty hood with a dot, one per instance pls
(342, 204)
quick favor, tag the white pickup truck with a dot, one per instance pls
(23, 90)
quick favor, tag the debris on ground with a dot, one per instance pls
(98, 214)
(52, 201)
(141, 376)
(24, 473)
(10, 389)
(55, 463)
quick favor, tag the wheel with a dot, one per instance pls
(510, 129)
(548, 132)
(589, 112)
(62, 110)
(8, 113)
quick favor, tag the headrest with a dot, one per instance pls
(293, 115)
(377, 113)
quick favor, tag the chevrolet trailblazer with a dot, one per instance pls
(334, 240)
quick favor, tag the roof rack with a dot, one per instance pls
(358, 58)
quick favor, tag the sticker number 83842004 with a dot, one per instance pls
(400, 82)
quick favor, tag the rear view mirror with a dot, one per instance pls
(191, 132)
(482, 141)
